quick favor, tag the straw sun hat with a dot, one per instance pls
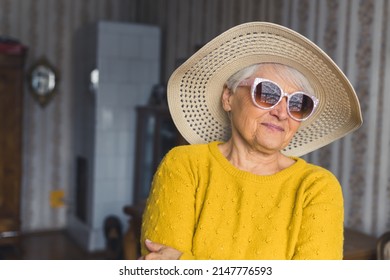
(195, 88)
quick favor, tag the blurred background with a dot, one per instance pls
(78, 151)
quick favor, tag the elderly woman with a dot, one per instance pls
(251, 102)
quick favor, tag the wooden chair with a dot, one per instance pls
(383, 247)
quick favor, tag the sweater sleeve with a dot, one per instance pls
(321, 232)
(169, 216)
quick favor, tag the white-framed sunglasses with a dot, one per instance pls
(267, 94)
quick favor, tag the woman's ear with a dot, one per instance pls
(226, 94)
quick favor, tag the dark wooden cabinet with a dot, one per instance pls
(156, 135)
(11, 109)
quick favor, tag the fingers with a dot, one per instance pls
(153, 256)
(165, 254)
(160, 252)
(153, 246)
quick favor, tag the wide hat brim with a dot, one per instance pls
(195, 88)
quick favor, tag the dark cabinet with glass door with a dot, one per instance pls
(156, 135)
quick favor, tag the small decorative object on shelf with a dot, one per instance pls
(43, 81)
(11, 46)
(158, 96)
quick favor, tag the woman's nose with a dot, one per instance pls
(280, 110)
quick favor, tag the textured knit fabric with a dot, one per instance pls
(203, 206)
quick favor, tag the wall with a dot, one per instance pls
(356, 35)
(188, 24)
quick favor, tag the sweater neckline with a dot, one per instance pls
(231, 169)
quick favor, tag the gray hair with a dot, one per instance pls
(289, 74)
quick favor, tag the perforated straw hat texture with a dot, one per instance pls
(195, 88)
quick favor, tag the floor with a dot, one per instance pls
(48, 246)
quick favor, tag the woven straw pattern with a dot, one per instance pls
(195, 88)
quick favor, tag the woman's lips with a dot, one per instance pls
(273, 126)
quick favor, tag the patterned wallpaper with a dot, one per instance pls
(355, 33)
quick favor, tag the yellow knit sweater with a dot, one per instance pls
(206, 208)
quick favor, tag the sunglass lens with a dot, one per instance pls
(300, 105)
(267, 94)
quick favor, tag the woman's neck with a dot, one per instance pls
(253, 160)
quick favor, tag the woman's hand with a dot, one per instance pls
(160, 252)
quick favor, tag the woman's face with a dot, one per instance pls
(268, 131)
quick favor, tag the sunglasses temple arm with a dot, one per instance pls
(246, 82)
